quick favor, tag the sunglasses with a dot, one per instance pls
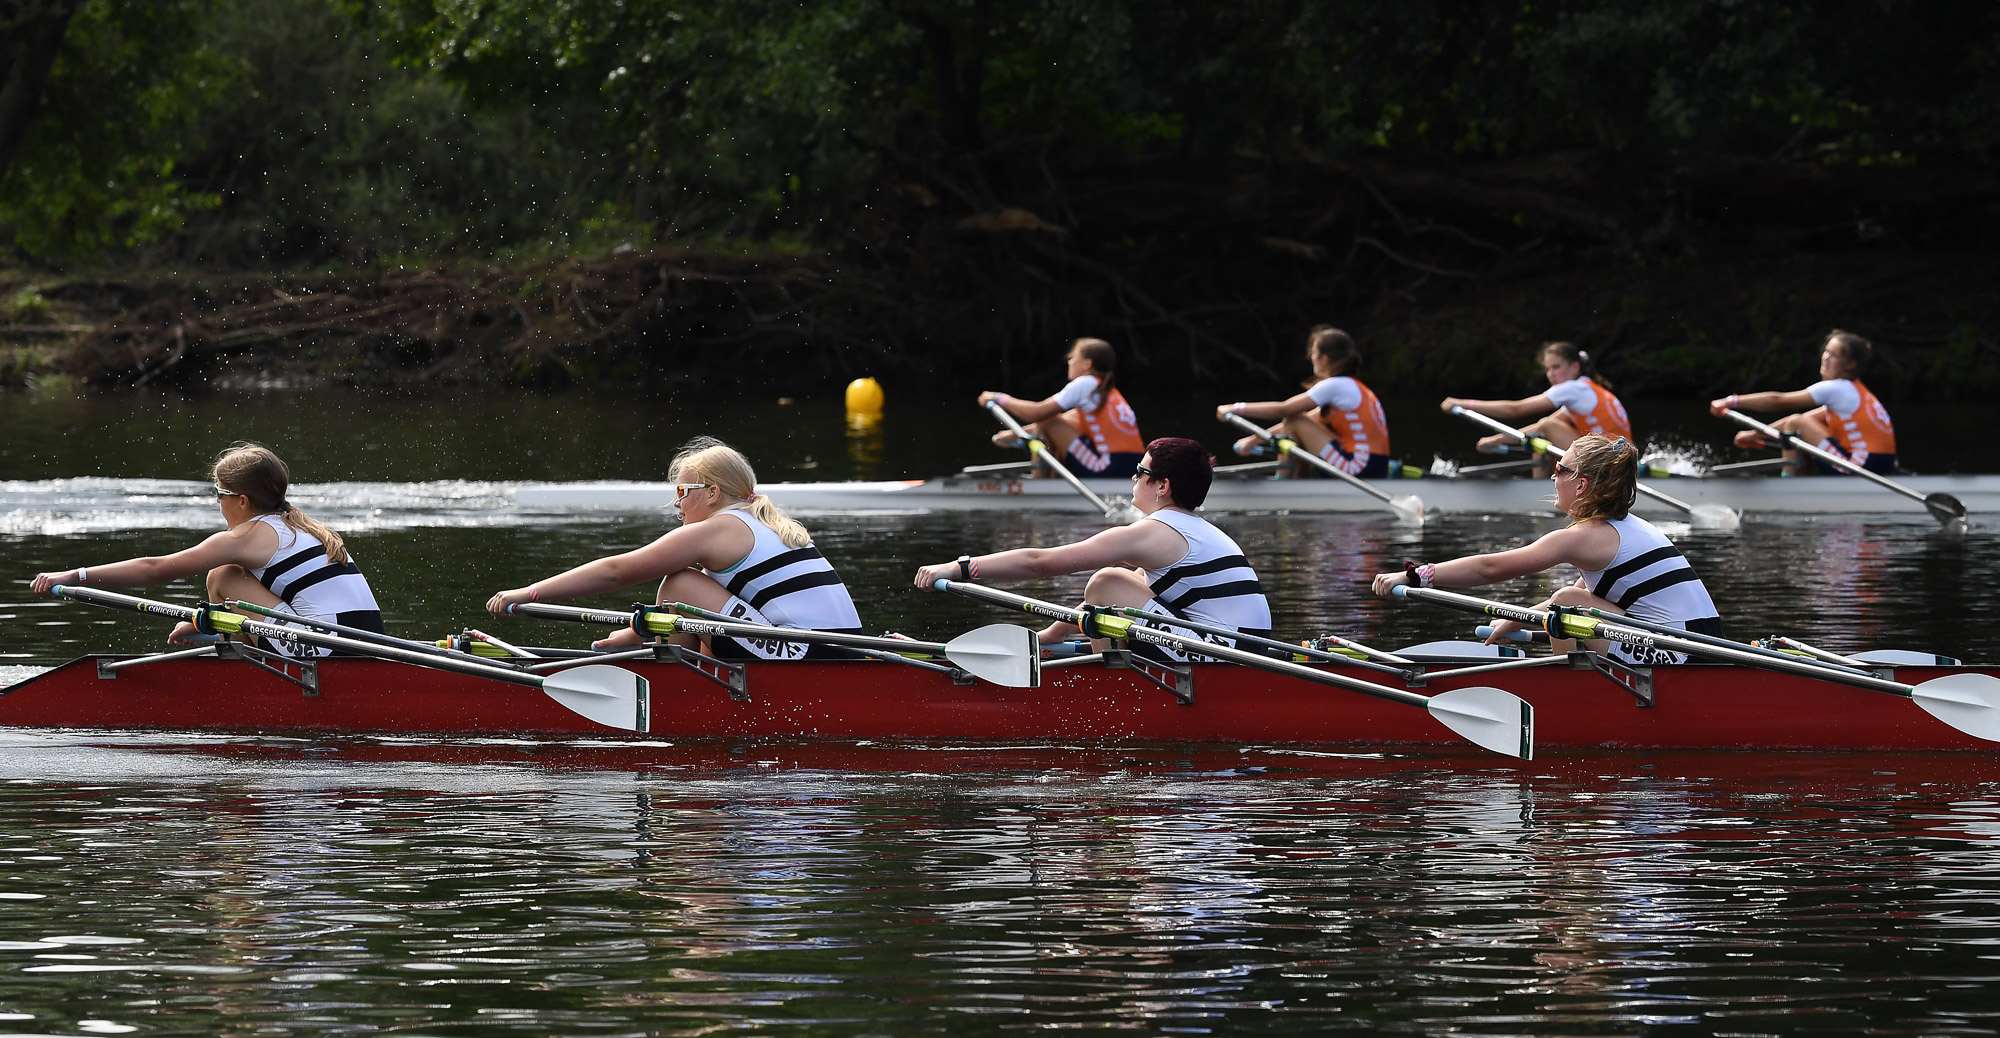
(681, 490)
(1141, 470)
(1564, 470)
(222, 492)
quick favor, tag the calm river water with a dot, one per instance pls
(159, 883)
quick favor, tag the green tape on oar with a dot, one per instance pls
(1408, 507)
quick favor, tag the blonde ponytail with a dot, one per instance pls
(262, 478)
(708, 460)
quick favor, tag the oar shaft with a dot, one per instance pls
(661, 622)
(1288, 447)
(245, 625)
(1321, 655)
(375, 637)
(1696, 636)
(1037, 448)
(1584, 627)
(1542, 446)
(1195, 646)
(1799, 444)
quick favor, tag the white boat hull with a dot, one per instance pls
(1814, 495)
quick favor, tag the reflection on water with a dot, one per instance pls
(280, 887)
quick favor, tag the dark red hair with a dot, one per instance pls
(1187, 467)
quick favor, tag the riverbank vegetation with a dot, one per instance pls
(786, 195)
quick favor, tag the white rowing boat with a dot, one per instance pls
(1812, 495)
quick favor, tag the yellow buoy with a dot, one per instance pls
(864, 397)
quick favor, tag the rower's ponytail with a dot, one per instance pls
(1610, 470)
(1336, 346)
(708, 460)
(262, 478)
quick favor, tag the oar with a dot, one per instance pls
(1121, 511)
(375, 637)
(1943, 507)
(1408, 507)
(1491, 718)
(1004, 654)
(1967, 702)
(611, 696)
(1721, 517)
(1241, 638)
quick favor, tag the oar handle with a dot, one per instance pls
(1290, 448)
(1814, 450)
(234, 623)
(649, 621)
(1038, 449)
(1573, 625)
(1109, 625)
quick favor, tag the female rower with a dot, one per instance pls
(1171, 562)
(1628, 565)
(1849, 420)
(735, 553)
(272, 555)
(1338, 419)
(1579, 396)
(1087, 423)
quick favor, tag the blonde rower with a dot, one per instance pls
(272, 554)
(735, 553)
(1628, 565)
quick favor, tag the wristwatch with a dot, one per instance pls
(965, 567)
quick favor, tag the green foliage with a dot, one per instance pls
(28, 304)
(98, 167)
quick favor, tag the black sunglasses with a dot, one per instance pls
(1564, 469)
(1141, 470)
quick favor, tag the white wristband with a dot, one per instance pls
(82, 575)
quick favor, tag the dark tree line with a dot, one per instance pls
(1202, 179)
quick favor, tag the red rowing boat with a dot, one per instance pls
(1691, 706)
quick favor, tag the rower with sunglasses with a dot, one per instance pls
(1629, 566)
(1171, 562)
(272, 555)
(735, 553)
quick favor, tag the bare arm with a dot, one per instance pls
(1505, 410)
(1024, 410)
(1588, 546)
(242, 546)
(1770, 400)
(1147, 544)
(1269, 410)
(677, 550)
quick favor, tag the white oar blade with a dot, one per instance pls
(1491, 718)
(1409, 508)
(1967, 702)
(1005, 654)
(611, 696)
(1715, 517)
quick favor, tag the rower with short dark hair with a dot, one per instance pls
(1848, 421)
(1629, 566)
(1171, 561)
(272, 555)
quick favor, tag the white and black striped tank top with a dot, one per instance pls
(1213, 582)
(300, 574)
(1651, 580)
(792, 587)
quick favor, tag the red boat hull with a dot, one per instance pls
(1695, 707)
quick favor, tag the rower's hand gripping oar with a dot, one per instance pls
(1004, 654)
(1120, 511)
(1945, 508)
(1408, 507)
(1491, 718)
(1968, 702)
(1719, 517)
(611, 696)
